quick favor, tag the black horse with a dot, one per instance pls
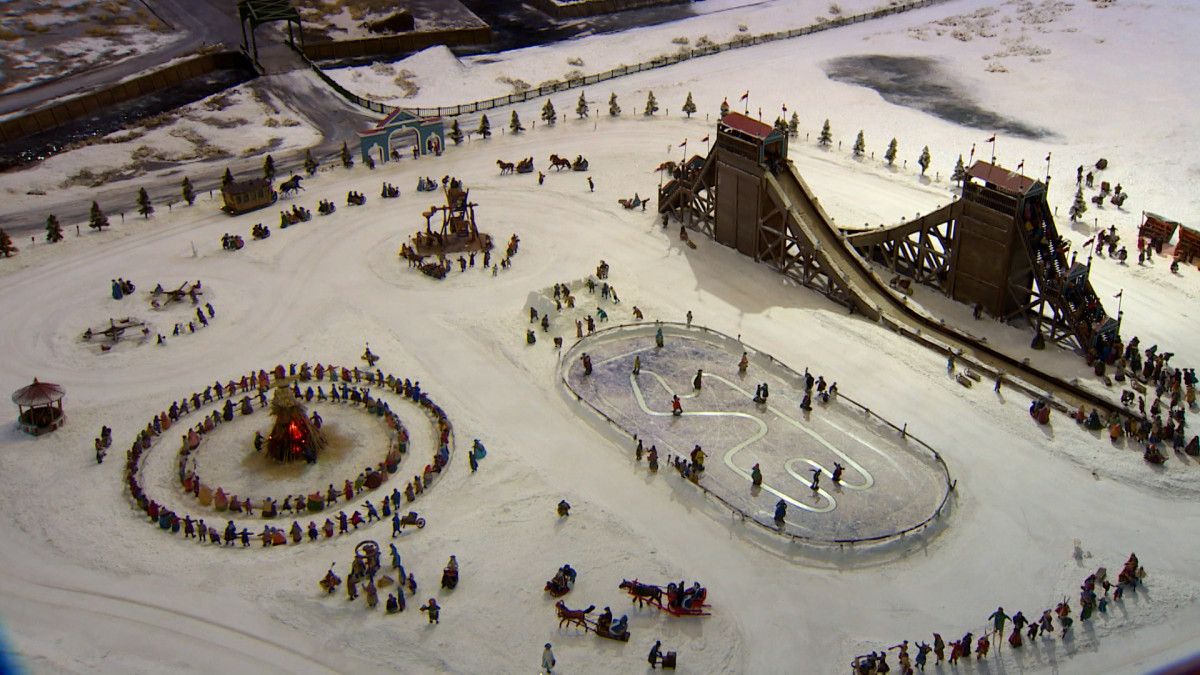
(642, 593)
(291, 186)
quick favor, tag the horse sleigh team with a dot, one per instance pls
(556, 162)
(675, 599)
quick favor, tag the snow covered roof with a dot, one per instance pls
(38, 393)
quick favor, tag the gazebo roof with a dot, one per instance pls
(38, 393)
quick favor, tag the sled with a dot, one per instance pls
(691, 244)
(449, 578)
(653, 596)
(972, 374)
(606, 633)
(964, 380)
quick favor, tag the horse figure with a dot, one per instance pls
(506, 167)
(577, 617)
(642, 593)
(559, 163)
(291, 186)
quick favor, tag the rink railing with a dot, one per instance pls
(585, 80)
(763, 358)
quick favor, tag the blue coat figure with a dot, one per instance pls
(658, 338)
(116, 290)
(396, 563)
(780, 511)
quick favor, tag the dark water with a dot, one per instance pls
(40, 146)
(921, 84)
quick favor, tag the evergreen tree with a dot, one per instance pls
(581, 108)
(6, 245)
(613, 109)
(826, 136)
(269, 168)
(549, 116)
(53, 230)
(456, 133)
(310, 164)
(347, 159)
(189, 195)
(724, 107)
(860, 145)
(485, 127)
(651, 105)
(781, 125)
(98, 221)
(143, 202)
(515, 123)
(960, 171)
(1079, 206)
(689, 106)
(924, 160)
(226, 179)
(794, 125)
(890, 155)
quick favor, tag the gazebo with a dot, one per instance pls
(40, 407)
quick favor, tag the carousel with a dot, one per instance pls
(40, 407)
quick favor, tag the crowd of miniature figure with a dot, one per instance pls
(1094, 596)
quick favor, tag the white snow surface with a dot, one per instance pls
(89, 586)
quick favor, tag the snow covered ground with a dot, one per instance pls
(90, 587)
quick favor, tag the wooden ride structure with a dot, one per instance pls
(996, 246)
(116, 329)
(458, 232)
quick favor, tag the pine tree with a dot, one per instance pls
(53, 230)
(581, 108)
(826, 136)
(347, 160)
(781, 125)
(269, 168)
(189, 195)
(860, 145)
(6, 245)
(310, 164)
(226, 179)
(924, 160)
(485, 127)
(98, 221)
(794, 125)
(613, 109)
(143, 201)
(456, 133)
(890, 155)
(960, 171)
(549, 115)
(515, 123)
(724, 107)
(689, 106)
(1079, 206)
(651, 105)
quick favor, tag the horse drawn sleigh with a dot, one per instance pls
(680, 600)
(603, 626)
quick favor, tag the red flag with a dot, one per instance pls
(1088, 242)
(683, 144)
(745, 95)
(1047, 157)
(991, 140)
(1021, 165)
(704, 140)
(784, 107)
(1120, 293)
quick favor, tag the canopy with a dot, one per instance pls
(38, 393)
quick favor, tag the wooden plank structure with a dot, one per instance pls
(1157, 227)
(1188, 248)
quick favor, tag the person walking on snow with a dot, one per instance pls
(999, 618)
(676, 406)
(699, 380)
(547, 653)
(816, 480)
(655, 654)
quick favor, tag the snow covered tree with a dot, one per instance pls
(960, 171)
(613, 109)
(651, 105)
(189, 195)
(6, 245)
(860, 145)
(689, 106)
(781, 125)
(549, 116)
(269, 168)
(226, 179)
(456, 133)
(514, 123)
(310, 164)
(924, 160)
(581, 108)
(53, 230)
(485, 127)
(347, 159)
(890, 155)
(724, 107)
(143, 201)
(794, 125)
(826, 136)
(98, 221)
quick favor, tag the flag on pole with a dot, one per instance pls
(991, 140)
(1047, 156)
(683, 144)
(745, 95)
(784, 107)
(1020, 166)
(704, 140)
(1088, 242)
(1120, 293)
